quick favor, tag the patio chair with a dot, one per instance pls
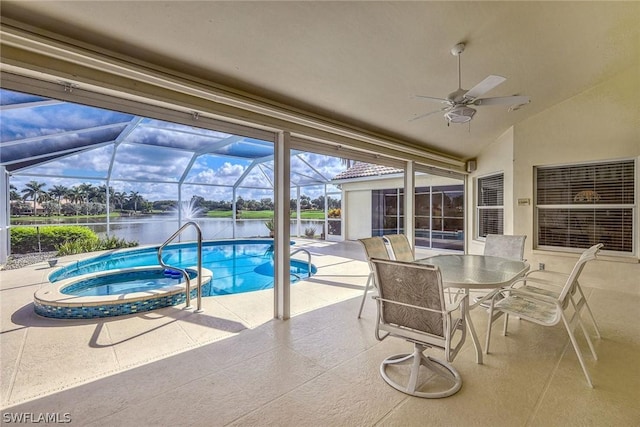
(552, 282)
(374, 247)
(545, 309)
(411, 306)
(400, 247)
(505, 246)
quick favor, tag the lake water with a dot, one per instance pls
(155, 229)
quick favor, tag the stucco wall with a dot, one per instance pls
(356, 198)
(602, 123)
(497, 158)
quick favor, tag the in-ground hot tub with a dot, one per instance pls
(117, 292)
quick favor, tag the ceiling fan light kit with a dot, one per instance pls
(458, 102)
(460, 114)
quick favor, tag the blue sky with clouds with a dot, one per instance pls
(151, 159)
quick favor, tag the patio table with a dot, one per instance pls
(476, 272)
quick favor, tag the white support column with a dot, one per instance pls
(282, 258)
(5, 215)
(108, 198)
(409, 203)
(234, 212)
(326, 213)
(298, 220)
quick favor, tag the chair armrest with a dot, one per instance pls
(550, 275)
(456, 304)
(526, 280)
(523, 293)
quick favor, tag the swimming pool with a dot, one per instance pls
(115, 293)
(129, 281)
(237, 265)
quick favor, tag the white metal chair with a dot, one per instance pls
(411, 306)
(546, 309)
(503, 246)
(400, 247)
(550, 283)
(374, 247)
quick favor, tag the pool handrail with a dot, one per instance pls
(184, 272)
(295, 251)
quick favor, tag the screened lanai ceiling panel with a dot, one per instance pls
(303, 174)
(18, 150)
(259, 176)
(165, 134)
(248, 148)
(52, 138)
(149, 163)
(92, 163)
(9, 97)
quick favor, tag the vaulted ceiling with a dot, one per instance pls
(361, 62)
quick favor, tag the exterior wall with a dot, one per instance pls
(356, 198)
(602, 123)
(358, 219)
(497, 158)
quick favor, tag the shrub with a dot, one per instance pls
(334, 213)
(67, 240)
(25, 239)
(310, 232)
(73, 247)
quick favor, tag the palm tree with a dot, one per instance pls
(86, 190)
(75, 195)
(119, 198)
(13, 194)
(59, 191)
(135, 198)
(33, 190)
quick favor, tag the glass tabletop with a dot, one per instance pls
(476, 271)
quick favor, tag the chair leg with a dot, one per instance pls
(586, 304)
(434, 366)
(366, 290)
(578, 318)
(486, 346)
(586, 335)
(572, 337)
(506, 324)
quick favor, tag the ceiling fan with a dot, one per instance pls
(460, 103)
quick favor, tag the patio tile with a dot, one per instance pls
(145, 337)
(55, 358)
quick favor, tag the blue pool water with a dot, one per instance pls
(237, 266)
(125, 283)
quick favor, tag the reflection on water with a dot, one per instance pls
(155, 229)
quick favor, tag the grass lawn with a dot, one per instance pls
(308, 214)
(48, 219)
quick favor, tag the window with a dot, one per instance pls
(578, 206)
(490, 200)
(438, 219)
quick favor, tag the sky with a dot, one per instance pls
(149, 156)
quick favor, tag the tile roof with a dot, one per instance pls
(361, 170)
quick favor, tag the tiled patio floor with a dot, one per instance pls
(235, 365)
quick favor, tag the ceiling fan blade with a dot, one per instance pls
(428, 114)
(503, 100)
(431, 98)
(484, 86)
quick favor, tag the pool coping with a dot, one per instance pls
(51, 294)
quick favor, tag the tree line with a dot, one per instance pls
(88, 199)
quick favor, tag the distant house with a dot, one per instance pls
(373, 205)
